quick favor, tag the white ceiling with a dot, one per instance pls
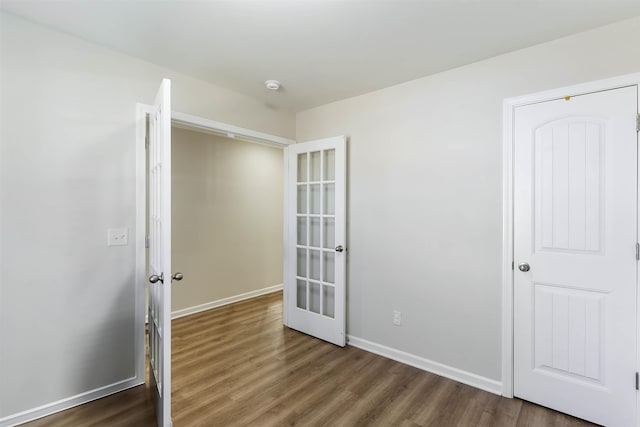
(321, 51)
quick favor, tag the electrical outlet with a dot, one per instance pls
(397, 318)
(117, 237)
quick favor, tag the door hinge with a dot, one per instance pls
(512, 264)
(146, 242)
(638, 122)
(637, 251)
(637, 381)
(146, 141)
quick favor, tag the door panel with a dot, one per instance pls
(569, 158)
(159, 220)
(575, 225)
(315, 279)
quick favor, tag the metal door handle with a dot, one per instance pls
(523, 266)
(155, 278)
(177, 276)
(339, 248)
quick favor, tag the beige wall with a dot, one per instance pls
(425, 193)
(226, 217)
(67, 173)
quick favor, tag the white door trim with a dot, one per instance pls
(142, 111)
(189, 122)
(509, 106)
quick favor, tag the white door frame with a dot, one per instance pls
(200, 124)
(509, 107)
(189, 122)
(142, 112)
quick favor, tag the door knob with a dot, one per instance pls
(339, 248)
(523, 266)
(177, 277)
(155, 278)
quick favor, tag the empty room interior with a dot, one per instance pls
(227, 218)
(340, 213)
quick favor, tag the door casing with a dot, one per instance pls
(509, 106)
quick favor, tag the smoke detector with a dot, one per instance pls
(272, 84)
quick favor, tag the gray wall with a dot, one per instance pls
(425, 193)
(227, 201)
(67, 173)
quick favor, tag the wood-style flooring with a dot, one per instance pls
(238, 366)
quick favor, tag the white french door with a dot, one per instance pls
(159, 220)
(575, 234)
(315, 246)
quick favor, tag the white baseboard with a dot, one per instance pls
(452, 373)
(224, 301)
(69, 402)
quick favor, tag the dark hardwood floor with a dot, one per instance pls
(238, 366)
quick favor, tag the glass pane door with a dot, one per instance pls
(315, 232)
(315, 253)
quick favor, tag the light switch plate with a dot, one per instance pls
(117, 236)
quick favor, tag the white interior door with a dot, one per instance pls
(315, 247)
(159, 220)
(575, 234)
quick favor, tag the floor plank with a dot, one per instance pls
(238, 366)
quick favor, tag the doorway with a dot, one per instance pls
(227, 228)
(154, 123)
(153, 250)
(572, 218)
